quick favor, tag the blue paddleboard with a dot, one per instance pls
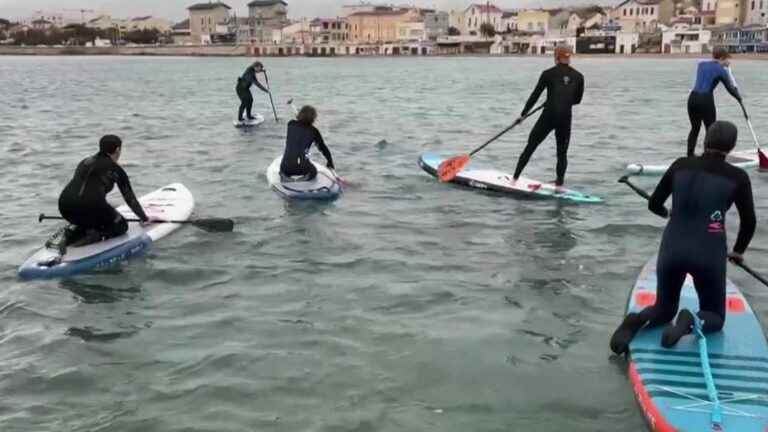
(670, 385)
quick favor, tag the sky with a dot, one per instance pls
(175, 10)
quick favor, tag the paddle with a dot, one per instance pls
(272, 101)
(760, 154)
(343, 182)
(745, 267)
(448, 169)
(210, 224)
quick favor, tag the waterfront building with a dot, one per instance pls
(329, 30)
(730, 12)
(149, 23)
(643, 15)
(533, 21)
(756, 12)
(204, 19)
(682, 39)
(379, 25)
(436, 23)
(478, 14)
(266, 16)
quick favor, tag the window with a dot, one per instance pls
(753, 4)
(625, 12)
(653, 10)
(631, 12)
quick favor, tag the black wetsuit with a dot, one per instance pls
(297, 144)
(703, 189)
(701, 102)
(565, 88)
(243, 90)
(84, 200)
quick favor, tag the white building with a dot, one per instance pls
(478, 14)
(643, 15)
(509, 20)
(627, 42)
(686, 41)
(149, 23)
(296, 33)
(757, 12)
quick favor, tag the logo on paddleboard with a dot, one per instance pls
(716, 223)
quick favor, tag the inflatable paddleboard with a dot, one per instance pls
(172, 202)
(257, 120)
(498, 181)
(669, 384)
(325, 186)
(743, 159)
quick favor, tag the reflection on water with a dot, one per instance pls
(93, 293)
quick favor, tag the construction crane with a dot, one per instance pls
(82, 13)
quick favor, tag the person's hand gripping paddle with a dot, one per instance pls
(449, 169)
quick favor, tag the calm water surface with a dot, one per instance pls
(408, 305)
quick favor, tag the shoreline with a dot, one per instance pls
(244, 51)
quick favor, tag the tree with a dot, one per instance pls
(487, 30)
(142, 37)
(453, 31)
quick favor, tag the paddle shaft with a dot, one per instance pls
(44, 217)
(271, 100)
(744, 110)
(743, 266)
(512, 126)
(749, 123)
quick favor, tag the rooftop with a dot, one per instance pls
(184, 25)
(485, 8)
(263, 3)
(208, 6)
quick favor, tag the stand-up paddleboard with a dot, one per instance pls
(325, 186)
(498, 181)
(670, 384)
(257, 120)
(743, 159)
(172, 202)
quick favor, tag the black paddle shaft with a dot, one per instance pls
(743, 266)
(512, 126)
(271, 100)
(210, 225)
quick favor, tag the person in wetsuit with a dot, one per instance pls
(703, 189)
(243, 90)
(565, 88)
(701, 102)
(301, 135)
(83, 202)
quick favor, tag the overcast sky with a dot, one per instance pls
(176, 9)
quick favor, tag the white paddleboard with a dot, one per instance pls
(325, 186)
(172, 202)
(743, 159)
(257, 120)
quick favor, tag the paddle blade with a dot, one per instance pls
(763, 159)
(449, 169)
(214, 225)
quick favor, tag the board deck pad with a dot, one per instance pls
(744, 159)
(172, 202)
(499, 181)
(325, 187)
(669, 384)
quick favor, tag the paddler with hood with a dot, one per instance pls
(243, 90)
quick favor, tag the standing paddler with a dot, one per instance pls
(565, 88)
(701, 102)
(243, 90)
